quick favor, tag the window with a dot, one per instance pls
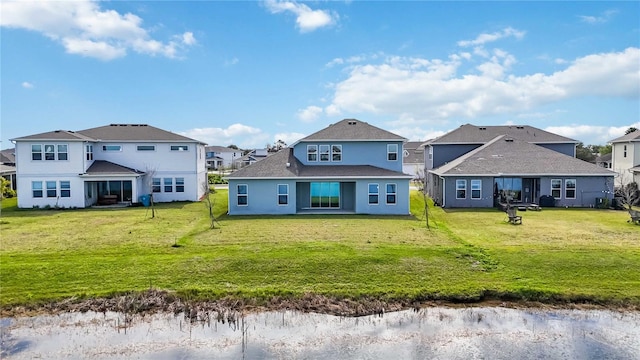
(374, 190)
(283, 194)
(155, 187)
(111, 148)
(312, 153)
(392, 152)
(168, 185)
(179, 147)
(65, 189)
(324, 152)
(243, 194)
(36, 188)
(146, 148)
(336, 153)
(62, 152)
(52, 190)
(556, 188)
(180, 184)
(430, 152)
(36, 152)
(325, 195)
(49, 152)
(476, 189)
(89, 149)
(391, 193)
(625, 151)
(461, 189)
(570, 189)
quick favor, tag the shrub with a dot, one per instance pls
(216, 179)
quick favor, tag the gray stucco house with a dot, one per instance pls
(349, 167)
(478, 166)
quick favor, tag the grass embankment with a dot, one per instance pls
(557, 255)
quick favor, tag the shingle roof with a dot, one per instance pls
(8, 156)
(7, 169)
(275, 166)
(415, 152)
(113, 132)
(354, 130)
(215, 148)
(505, 156)
(604, 158)
(103, 167)
(471, 134)
(632, 136)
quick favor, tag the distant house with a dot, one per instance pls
(251, 157)
(625, 153)
(349, 167)
(605, 161)
(219, 157)
(8, 166)
(481, 166)
(413, 158)
(107, 164)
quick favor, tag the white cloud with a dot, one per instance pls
(432, 90)
(309, 114)
(487, 38)
(27, 85)
(417, 133)
(84, 28)
(288, 138)
(245, 137)
(589, 134)
(307, 19)
(231, 62)
(603, 18)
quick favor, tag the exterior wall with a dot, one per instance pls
(372, 153)
(401, 207)
(566, 148)
(26, 199)
(588, 188)
(262, 197)
(486, 196)
(443, 154)
(412, 169)
(621, 163)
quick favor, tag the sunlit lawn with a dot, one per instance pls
(557, 254)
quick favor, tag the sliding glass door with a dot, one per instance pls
(325, 195)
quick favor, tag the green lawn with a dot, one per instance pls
(556, 255)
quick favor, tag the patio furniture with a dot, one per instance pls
(635, 217)
(514, 218)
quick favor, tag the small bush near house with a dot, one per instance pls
(216, 179)
(7, 191)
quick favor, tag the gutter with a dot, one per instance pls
(444, 191)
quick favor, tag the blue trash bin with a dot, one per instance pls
(145, 200)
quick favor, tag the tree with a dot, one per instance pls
(585, 153)
(605, 149)
(630, 130)
(234, 147)
(627, 194)
(210, 204)
(277, 146)
(7, 191)
(422, 181)
(149, 175)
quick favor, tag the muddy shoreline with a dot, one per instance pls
(162, 301)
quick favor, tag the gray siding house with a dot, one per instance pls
(348, 167)
(483, 166)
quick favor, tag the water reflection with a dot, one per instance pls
(435, 332)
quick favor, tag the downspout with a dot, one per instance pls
(444, 191)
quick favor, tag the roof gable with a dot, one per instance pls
(632, 136)
(471, 134)
(56, 135)
(133, 132)
(352, 130)
(505, 156)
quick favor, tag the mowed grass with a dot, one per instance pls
(556, 255)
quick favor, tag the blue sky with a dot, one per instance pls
(249, 73)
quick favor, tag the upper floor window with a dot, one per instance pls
(392, 152)
(179, 147)
(312, 153)
(374, 191)
(625, 151)
(461, 189)
(391, 193)
(430, 152)
(476, 189)
(324, 152)
(49, 152)
(36, 153)
(146, 148)
(336, 152)
(570, 189)
(111, 147)
(556, 188)
(62, 152)
(89, 151)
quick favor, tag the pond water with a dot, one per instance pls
(433, 332)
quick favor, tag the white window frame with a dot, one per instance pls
(394, 193)
(179, 184)
(624, 154)
(430, 152)
(52, 152)
(51, 186)
(312, 151)
(156, 185)
(285, 194)
(38, 151)
(35, 188)
(89, 151)
(145, 148)
(462, 182)
(336, 156)
(59, 147)
(245, 194)
(476, 183)
(566, 188)
(558, 188)
(180, 148)
(112, 148)
(390, 151)
(324, 151)
(65, 187)
(167, 185)
(376, 193)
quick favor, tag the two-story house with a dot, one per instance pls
(625, 157)
(349, 167)
(481, 166)
(8, 166)
(113, 163)
(219, 157)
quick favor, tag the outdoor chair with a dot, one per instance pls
(635, 217)
(514, 218)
